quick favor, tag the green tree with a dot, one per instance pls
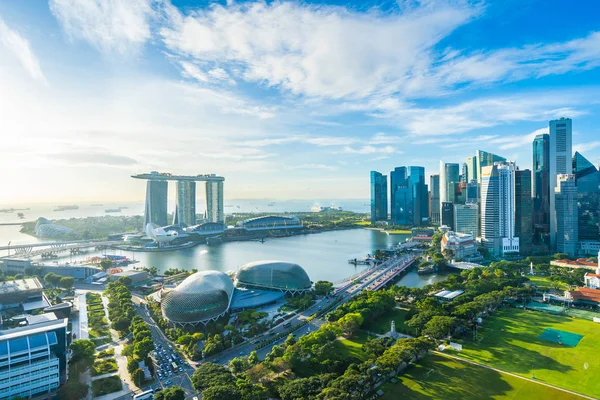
(238, 365)
(132, 365)
(290, 340)
(323, 288)
(138, 377)
(66, 282)
(440, 326)
(82, 350)
(121, 324)
(172, 393)
(350, 323)
(52, 279)
(209, 375)
(106, 263)
(221, 392)
(143, 347)
(253, 358)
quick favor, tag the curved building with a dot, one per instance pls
(274, 275)
(45, 228)
(202, 297)
(270, 222)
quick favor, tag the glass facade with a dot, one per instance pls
(156, 203)
(379, 200)
(274, 275)
(561, 156)
(449, 175)
(523, 210)
(214, 202)
(465, 219)
(587, 180)
(541, 189)
(185, 209)
(398, 205)
(434, 199)
(566, 215)
(485, 159)
(420, 202)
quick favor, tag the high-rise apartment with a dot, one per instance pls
(156, 203)
(485, 159)
(185, 208)
(434, 199)
(466, 219)
(498, 209)
(397, 181)
(523, 210)
(379, 207)
(541, 189)
(566, 214)
(560, 164)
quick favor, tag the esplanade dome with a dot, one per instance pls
(274, 275)
(201, 297)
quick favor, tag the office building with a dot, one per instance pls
(398, 180)
(466, 219)
(215, 211)
(434, 199)
(485, 159)
(447, 215)
(420, 203)
(541, 189)
(472, 192)
(27, 294)
(566, 214)
(498, 209)
(185, 209)
(471, 169)
(523, 211)
(379, 199)
(587, 180)
(403, 206)
(33, 358)
(156, 203)
(449, 175)
(560, 164)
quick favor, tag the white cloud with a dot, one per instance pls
(514, 141)
(315, 166)
(110, 25)
(371, 150)
(320, 51)
(20, 48)
(583, 147)
(323, 141)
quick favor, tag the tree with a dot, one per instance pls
(106, 263)
(290, 340)
(143, 347)
(121, 324)
(52, 279)
(66, 282)
(238, 365)
(210, 374)
(132, 365)
(350, 323)
(172, 393)
(440, 326)
(83, 350)
(377, 347)
(253, 358)
(276, 351)
(323, 288)
(138, 377)
(222, 392)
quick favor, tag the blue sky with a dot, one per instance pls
(287, 100)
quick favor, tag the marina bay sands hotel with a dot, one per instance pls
(185, 210)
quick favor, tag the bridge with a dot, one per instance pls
(27, 250)
(392, 273)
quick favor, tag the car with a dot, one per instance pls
(195, 398)
(242, 353)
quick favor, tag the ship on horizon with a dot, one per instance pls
(67, 207)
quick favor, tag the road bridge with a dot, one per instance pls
(27, 250)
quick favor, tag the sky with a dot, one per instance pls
(285, 99)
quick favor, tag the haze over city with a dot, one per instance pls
(285, 99)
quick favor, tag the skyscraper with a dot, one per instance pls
(449, 175)
(566, 214)
(214, 202)
(447, 215)
(416, 181)
(523, 210)
(587, 180)
(471, 169)
(465, 219)
(397, 180)
(485, 159)
(560, 163)
(185, 208)
(498, 209)
(403, 205)
(378, 197)
(156, 203)
(541, 189)
(434, 199)
(472, 192)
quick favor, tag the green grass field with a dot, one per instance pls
(383, 323)
(545, 282)
(353, 347)
(518, 349)
(438, 377)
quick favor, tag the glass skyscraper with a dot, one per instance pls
(449, 175)
(485, 159)
(156, 203)
(185, 209)
(566, 215)
(587, 180)
(397, 181)
(434, 199)
(379, 199)
(560, 163)
(523, 210)
(541, 189)
(214, 202)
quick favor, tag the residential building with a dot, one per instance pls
(379, 211)
(447, 215)
(463, 246)
(498, 209)
(566, 214)
(587, 180)
(449, 174)
(523, 211)
(33, 359)
(397, 180)
(466, 219)
(541, 189)
(486, 159)
(434, 199)
(560, 164)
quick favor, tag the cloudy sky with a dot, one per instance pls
(287, 100)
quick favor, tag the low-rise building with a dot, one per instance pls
(579, 263)
(590, 292)
(17, 293)
(136, 277)
(463, 246)
(13, 266)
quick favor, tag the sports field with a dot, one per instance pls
(437, 377)
(510, 340)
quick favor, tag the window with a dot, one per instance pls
(18, 345)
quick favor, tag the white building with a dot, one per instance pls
(561, 154)
(498, 209)
(462, 245)
(565, 194)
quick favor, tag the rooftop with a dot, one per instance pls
(584, 293)
(580, 262)
(163, 176)
(449, 295)
(32, 329)
(20, 285)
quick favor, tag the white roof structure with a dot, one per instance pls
(449, 295)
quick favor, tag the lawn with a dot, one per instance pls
(438, 377)
(545, 282)
(509, 340)
(353, 347)
(399, 232)
(102, 367)
(382, 324)
(108, 385)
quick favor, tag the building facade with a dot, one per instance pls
(447, 215)
(541, 189)
(566, 215)
(420, 203)
(434, 199)
(466, 219)
(185, 208)
(156, 203)
(587, 180)
(398, 206)
(449, 175)
(215, 211)
(471, 169)
(463, 246)
(560, 163)
(486, 159)
(379, 201)
(523, 211)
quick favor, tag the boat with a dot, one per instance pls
(359, 261)
(21, 215)
(112, 210)
(123, 207)
(67, 207)
(271, 204)
(97, 205)
(228, 205)
(7, 210)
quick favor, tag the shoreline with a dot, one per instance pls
(391, 232)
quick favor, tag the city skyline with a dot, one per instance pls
(291, 112)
